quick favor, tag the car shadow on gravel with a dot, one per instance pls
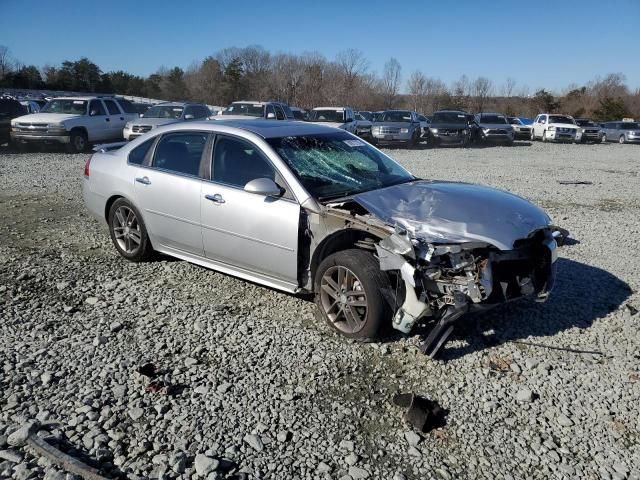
(581, 296)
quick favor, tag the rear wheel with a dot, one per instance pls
(349, 289)
(128, 232)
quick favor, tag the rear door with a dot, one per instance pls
(168, 189)
(98, 122)
(252, 232)
(116, 119)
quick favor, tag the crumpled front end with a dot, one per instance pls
(459, 248)
(452, 279)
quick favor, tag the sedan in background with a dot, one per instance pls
(589, 131)
(521, 127)
(494, 127)
(450, 127)
(621, 132)
(397, 126)
(164, 113)
(306, 208)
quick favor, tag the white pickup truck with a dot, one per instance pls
(75, 122)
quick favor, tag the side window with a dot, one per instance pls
(112, 107)
(189, 111)
(269, 110)
(96, 108)
(126, 106)
(279, 113)
(180, 152)
(236, 162)
(138, 154)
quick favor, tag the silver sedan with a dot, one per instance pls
(309, 208)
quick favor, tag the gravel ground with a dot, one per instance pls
(251, 385)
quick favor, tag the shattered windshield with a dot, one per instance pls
(334, 165)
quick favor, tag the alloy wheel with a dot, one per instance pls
(126, 229)
(343, 299)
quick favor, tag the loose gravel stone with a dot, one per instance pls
(205, 465)
(524, 395)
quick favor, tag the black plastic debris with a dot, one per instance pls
(148, 370)
(575, 182)
(421, 413)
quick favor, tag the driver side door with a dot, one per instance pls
(254, 234)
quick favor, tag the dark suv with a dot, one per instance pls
(9, 109)
(451, 127)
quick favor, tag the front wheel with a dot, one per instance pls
(349, 288)
(77, 142)
(622, 140)
(532, 136)
(604, 139)
(128, 232)
(544, 135)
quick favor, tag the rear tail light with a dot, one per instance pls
(86, 167)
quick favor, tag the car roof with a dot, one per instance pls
(329, 108)
(273, 129)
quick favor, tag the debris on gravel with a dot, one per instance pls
(168, 370)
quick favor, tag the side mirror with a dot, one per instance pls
(271, 116)
(543, 121)
(188, 116)
(263, 186)
(93, 113)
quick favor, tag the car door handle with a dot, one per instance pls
(107, 119)
(121, 118)
(217, 198)
(143, 180)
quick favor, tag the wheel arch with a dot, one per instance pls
(343, 239)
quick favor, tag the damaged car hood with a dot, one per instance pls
(451, 212)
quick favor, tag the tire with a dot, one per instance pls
(354, 271)
(533, 135)
(78, 142)
(622, 140)
(415, 139)
(128, 232)
(604, 138)
(544, 136)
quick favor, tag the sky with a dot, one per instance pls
(550, 44)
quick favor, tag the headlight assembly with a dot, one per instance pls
(551, 127)
(404, 130)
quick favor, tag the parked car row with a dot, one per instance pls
(76, 122)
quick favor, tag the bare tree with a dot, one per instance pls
(417, 86)
(481, 89)
(353, 65)
(509, 87)
(391, 82)
(6, 62)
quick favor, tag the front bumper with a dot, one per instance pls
(39, 137)
(557, 136)
(450, 138)
(634, 139)
(497, 137)
(522, 134)
(391, 137)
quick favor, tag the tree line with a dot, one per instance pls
(310, 80)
